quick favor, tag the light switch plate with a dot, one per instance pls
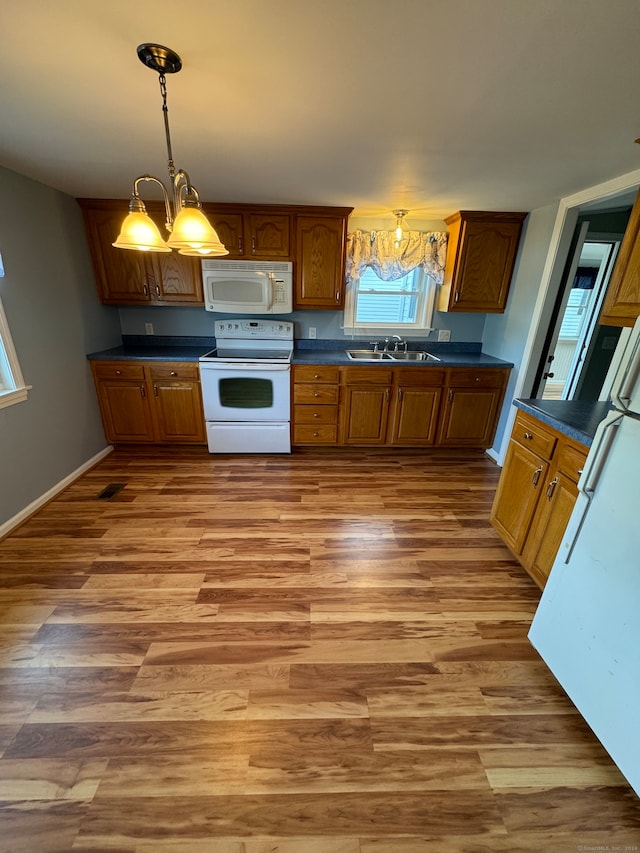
(444, 334)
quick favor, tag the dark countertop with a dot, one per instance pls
(577, 419)
(136, 348)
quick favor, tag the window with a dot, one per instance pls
(375, 305)
(12, 387)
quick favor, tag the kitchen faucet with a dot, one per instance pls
(394, 342)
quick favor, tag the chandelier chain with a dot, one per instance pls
(165, 112)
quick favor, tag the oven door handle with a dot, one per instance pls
(221, 364)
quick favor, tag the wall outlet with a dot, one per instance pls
(148, 329)
(444, 334)
(312, 332)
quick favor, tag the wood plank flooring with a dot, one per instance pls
(321, 653)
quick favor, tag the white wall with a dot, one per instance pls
(50, 300)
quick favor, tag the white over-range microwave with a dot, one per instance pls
(248, 287)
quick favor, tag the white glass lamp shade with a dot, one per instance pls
(140, 232)
(193, 234)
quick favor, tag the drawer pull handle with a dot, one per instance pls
(155, 389)
(528, 436)
(315, 394)
(536, 476)
(173, 373)
(118, 372)
(315, 435)
(143, 393)
(316, 415)
(552, 487)
(317, 376)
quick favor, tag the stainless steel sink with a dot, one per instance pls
(413, 355)
(370, 355)
(367, 355)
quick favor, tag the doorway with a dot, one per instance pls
(570, 351)
(577, 350)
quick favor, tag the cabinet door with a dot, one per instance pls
(180, 280)
(178, 411)
(470, 417)
(550, 522)
(320, 248)
(415, 416)
(269, 235)
(365, 414)
(230, 229)
(122, 276)
(521, 482)
(480, 261)
(622, 301)
(126, 410)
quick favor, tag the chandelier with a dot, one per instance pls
(190, 232)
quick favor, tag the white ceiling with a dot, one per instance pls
(374, 104)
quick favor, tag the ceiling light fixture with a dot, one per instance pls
(190, 232)
(400, 227)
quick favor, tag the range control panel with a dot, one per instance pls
(264, 330)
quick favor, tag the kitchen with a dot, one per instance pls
(56, 319)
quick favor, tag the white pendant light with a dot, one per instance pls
(190, 231)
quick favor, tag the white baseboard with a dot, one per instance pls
(493, 455)
(34, 506)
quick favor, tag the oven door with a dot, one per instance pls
(246, 392)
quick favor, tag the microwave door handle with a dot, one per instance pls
(271, 294)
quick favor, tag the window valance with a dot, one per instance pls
(378, 250)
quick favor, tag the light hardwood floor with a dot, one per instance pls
(322, 653)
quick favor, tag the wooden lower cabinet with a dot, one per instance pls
(398, 406)
(536, 493)
(153, 402)
(471, 407)
(365, 403)
(315, 404)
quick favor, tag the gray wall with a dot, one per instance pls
(50, 300)
(505, 335)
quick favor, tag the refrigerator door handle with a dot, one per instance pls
(596, 459)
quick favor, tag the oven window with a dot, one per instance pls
(246, 392)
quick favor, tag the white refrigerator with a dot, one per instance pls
(587, 625)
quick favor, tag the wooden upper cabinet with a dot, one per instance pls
(622, 301)
(314, 238)
(320, 261)
(251, 233)
(127, 277)
(481, 255)
(269, 235)
(230, 229)
(121, 276)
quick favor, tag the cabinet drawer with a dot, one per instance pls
(118, 370)
(428, 377)
(315, 373)
(310, 434)
(482, 378)
(570, 460)
(366, 375)
(173, 370)
(318, 394)
(316, 414)
(529, 433)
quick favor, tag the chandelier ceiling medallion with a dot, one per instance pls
(190, 232)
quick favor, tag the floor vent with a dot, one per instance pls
(109, 491)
